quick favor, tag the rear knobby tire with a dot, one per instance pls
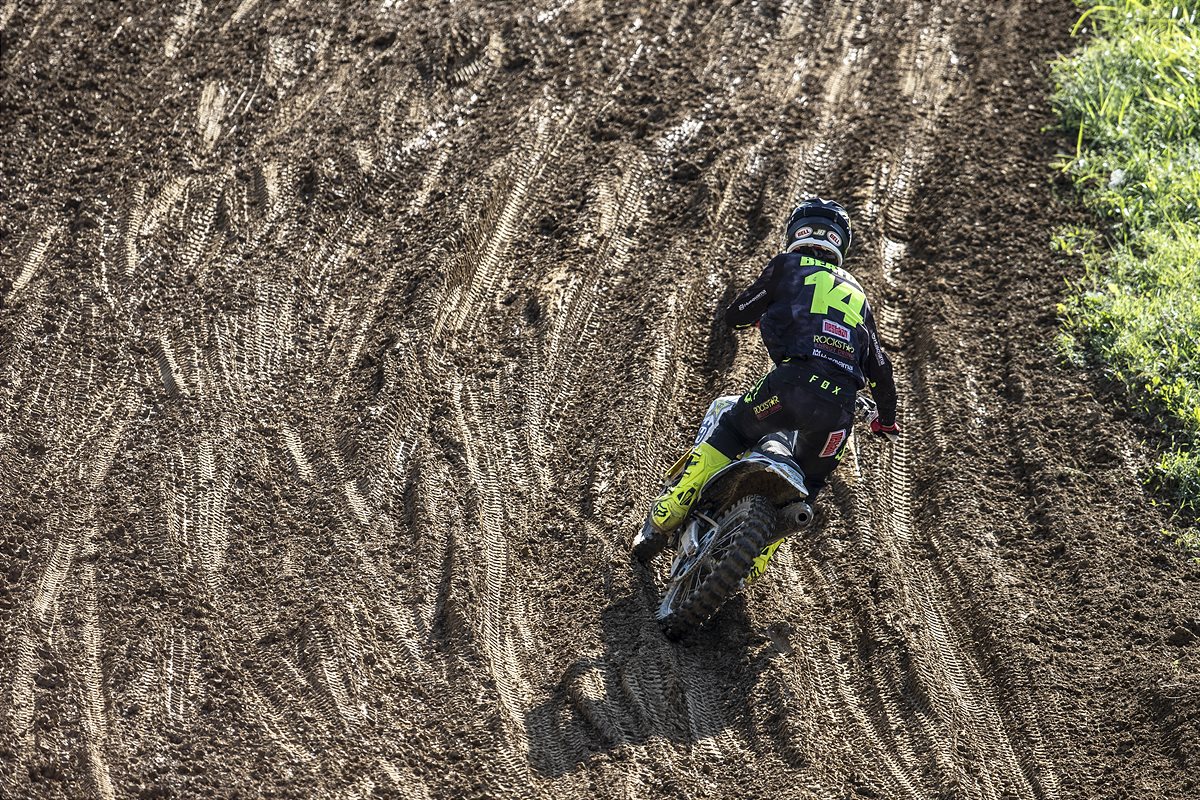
(749, 525)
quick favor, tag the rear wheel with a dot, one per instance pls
(723, 562)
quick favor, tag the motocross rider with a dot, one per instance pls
(819, 330)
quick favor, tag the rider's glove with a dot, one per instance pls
(892, 432)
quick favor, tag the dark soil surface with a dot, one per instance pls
(341, 349)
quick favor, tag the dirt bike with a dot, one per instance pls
(745, 512)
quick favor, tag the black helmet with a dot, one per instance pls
(822, 224)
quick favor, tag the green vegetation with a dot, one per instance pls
(1132, 99)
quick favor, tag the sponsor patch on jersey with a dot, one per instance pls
(834, 358)
(833, 344)
(754, 299)
(834, 329)
(763, 410)
(802, 232)
(833, 443)
(835, 239)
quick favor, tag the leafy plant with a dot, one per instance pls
(1132, 102)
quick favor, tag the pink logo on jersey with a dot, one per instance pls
(833, 329)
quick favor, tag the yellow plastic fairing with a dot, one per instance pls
(760, 563)
(677, 467)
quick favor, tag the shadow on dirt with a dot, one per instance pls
(641, 687)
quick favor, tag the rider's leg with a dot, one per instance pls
(780, 401)
(792, 397)
(820, 448)
(727, 442)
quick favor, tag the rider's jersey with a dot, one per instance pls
(809, 310)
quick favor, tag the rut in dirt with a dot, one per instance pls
(342, 349)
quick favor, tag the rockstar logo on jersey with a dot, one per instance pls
(766, 409)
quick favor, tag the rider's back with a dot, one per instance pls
(818, 312)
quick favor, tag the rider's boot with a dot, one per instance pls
(674, 504)
(670, 508)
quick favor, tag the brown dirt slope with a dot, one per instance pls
(340, 349)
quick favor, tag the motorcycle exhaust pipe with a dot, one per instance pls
(798, 515)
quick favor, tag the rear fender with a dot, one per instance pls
(755, 473)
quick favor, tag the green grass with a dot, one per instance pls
(1130, 97)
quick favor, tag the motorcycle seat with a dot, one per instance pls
(778, 446)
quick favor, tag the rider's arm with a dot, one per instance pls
(750, 304)
(878, 368)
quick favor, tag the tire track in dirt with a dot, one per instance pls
(501, 633)
(573, 301)
(95, 718)
(843, 705)
(33, 260)
(109, 427)
(962, 689)
(925, 81)
(477, 272)
(490, 440)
